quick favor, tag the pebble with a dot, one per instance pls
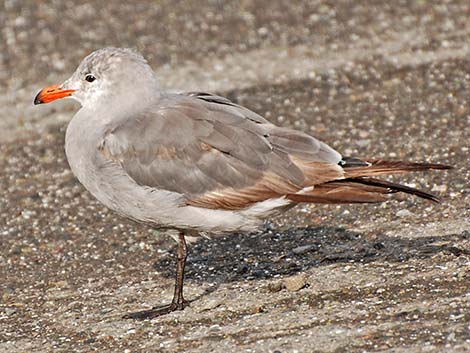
(10, 311)
(439, 188)
(404, 213)
(295, 283)
(303, 249)
(275, 287)
(363, 142)
(209, 305)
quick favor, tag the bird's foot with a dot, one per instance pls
(156, 311)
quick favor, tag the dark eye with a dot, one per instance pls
(90, 78)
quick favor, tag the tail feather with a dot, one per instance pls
(357, 190)
(360, 186)
(342, 191)
(380, 167)
(395, 187)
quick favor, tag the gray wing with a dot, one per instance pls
(216, 153)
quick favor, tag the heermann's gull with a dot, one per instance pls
(197, 162)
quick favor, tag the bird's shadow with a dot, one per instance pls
(282, 253)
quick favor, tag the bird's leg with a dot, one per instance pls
(178, 302)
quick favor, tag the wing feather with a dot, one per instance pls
(216, 153)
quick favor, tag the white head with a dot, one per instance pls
(109, 77)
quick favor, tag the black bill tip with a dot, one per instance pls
(37, 99)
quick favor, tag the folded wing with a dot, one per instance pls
(216, 153)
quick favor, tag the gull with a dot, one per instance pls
(197, 163)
